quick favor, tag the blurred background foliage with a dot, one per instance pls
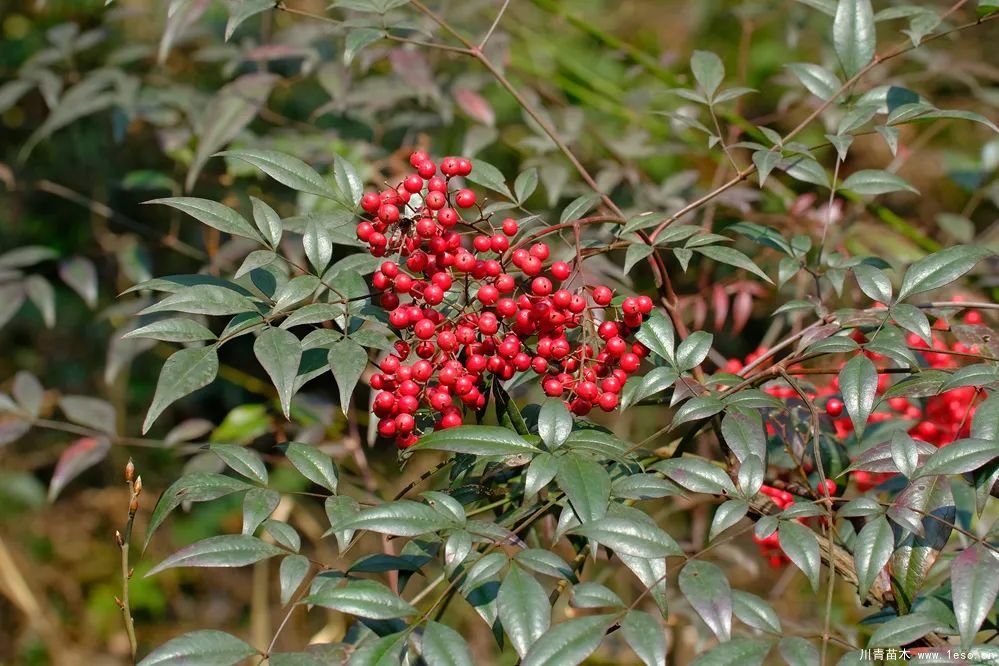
(102, 108)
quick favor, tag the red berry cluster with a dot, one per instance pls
(471, 306)
(938, 420)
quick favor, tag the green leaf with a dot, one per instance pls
(802, 548)
(872, 550)
(732, 257)
(904, 630)
(697, 475)
(701, 407)
(541, 470)
(363, 598)
(602, 444)
(200, 648)
(244, 10)
(314, 465)
(708, 70)
(347, 362)
(854, 34)
(286, 170)
(184, 372)
(977, 374)
(858, 381)
(213, 214)
(554, 423)
(544, 562)
(176, 329)
(594, 595)
(873, 181)
(904, 453)
(318, 244)
(974, 586)
(964, 455)
(206, 299)
(243, 460)
(523, 609)
(818, 80)
(280, 353)
(912, 319)
(487, 175)
(736, 652)
(727, 515)
(348, 181)
(586, 484)
(443, 646)
(229, 550)
(291, 573)
(635, 253)
(797, 651)
(629, 537)
(339, 509)
(226, 114)
(577, 207)
(640, 388)
(526, 183)
(755, 612)
(477, 441)
(91, 412)
(658, 335)
(765, 161)
(568, 643)
(258, 504)
(744, 434)
(197, 487)
(283, 533)
(985, 423)
(692, 351)
(267, 221)
(399, 518)
(357, 39)
(873, 282)
(644, 634)
(643, 486)
(707, 589)
(940, 269)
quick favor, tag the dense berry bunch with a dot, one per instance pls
(470, 304)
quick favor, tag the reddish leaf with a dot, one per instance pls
(475, 105)
(719, 301)
(742, 307)
(80, 455)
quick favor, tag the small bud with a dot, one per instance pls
(133, 505)
(129, 471)
(118, 601)
(138, 485)
(130, 572)
(118, 539)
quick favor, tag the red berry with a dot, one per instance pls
(834, 407)
(560, 270)
(552, 387)
(413, 183)
(465, 198)
(510, 227)
(541, 286)
(602, 295)
(426, 168)
(540, 251)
